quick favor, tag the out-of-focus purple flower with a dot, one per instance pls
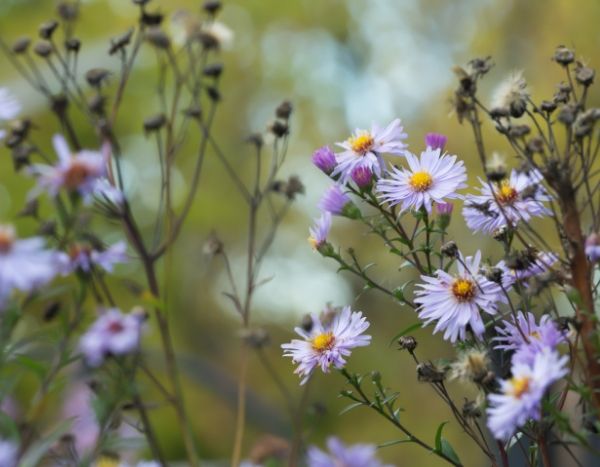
(76, 173)
(320, 230)
(519, 198)
(9, 451)
(436, 141)
(543, 262)
(362, 176)
(336, 202)
(431, 178)
(527, 338)
(105, 191)
(113, 333)
(326, 344)
(455, 302)
(26, 264)
(83, 257)
(592, 247)
(444, 209)
(365, 149)
(520, 397)
(341, 455)
(324, 159)
(9, 105)
(85, 429)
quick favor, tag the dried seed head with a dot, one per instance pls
(213, 245)
(73, 44)
(510, 97)
(96, 104)
(494, 275)
(21, 45)
(407, 343)
(213, 93)
(563, 55)
(96, 76)
(213, 70)
(284, 110)
(152, 19)
(212, 6)
(548, 106)
(307, 323)
(293, 187)
(567, 114)
(495, 167)
(68, 11)
(60, 103)
(155, 122)
(255, 338)
(584, 75)
(256, 139)
(193, 112)
(480, 66)
(450, 249)
(158, 38)
(120, 42)
(141, 2)
(51, 311)
(470, 366)
(518, 131)
(43, 49)
(47, 29)
(536, 145)
(428, 373)
(471, 409)
(279, 129)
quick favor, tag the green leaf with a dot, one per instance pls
(405, 331)
(394, 442)
(438, 436)
(350, 407)
(449, 451)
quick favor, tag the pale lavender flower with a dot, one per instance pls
(320, 230)
(365, 149)
(341, 455)
(444, 209)
(9, 105)
(455, 302)
(541, 263)
(527, 338)
(592, 247)
(78, 407)
(77, 173)
(9, 450)
(362, 176)
(436, 141)
(520, 397)
(25, 264)
(84, 257)
(113, 333)
(520, 197)
(324, 159)
(432, 178)
(327, 343)
(334, 200)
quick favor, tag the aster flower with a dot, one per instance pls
(113, 333)
(77, 173)
(365, 149)
(327, 343)
(520, 397)
(431, 178)
(356, 455)
(320, 231)
(84, 257)
(455, 301)
(527, 338)
(521, 197)
(362, 176)
(9, 105)
(436, 141)
(324, 159)
(335, 201)
(540, 263)
(9, 451)
(592, 247)
(26, 264)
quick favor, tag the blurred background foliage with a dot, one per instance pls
(343, 64)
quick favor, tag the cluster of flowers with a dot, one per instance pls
(453, 301)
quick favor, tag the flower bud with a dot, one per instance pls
(21, 45)
(444, 213)
(436, 141)
(47, 29)
(324, 159)
(43, 49)
(362, 176)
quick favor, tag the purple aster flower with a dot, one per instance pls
(362, 176)
(335, 201)
(80, 172)
(592, 247)
(521, 197)
(24, 264)
(455, 301)
(84, 257)
(9, 105)
(9, 451)
(320, 231)
(324, 159)
(431, 178)
(520, 397)
(341, 455)
(436, 141)
(527, 338)
(327, 343)
(365, 149)
(541, 263)
(113, 333)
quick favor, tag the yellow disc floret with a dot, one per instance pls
(463, 289)
(519, 386)
(323, 341)
(362, 143)
(420, 181)
(506, 193)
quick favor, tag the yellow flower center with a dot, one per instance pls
(107, 462)
(323, 341)
(535, 335)
(506, 193)
(463, 289)
(75, 175)
(7, 238)
(420, 181)
(519, 386)
(362, 143)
